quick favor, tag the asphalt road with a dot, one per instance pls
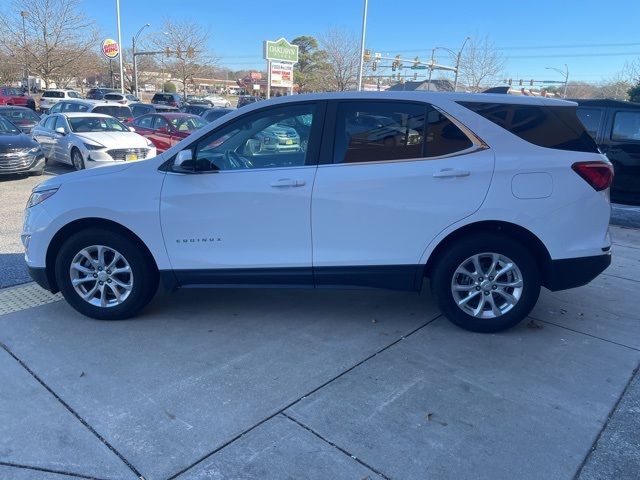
(15, 191)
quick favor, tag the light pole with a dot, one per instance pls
(120, 45)
(135, 64)
(455, 80)
(24, 15)
(433, 53)
(362, 38)
(566, 77)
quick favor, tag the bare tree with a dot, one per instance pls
(481, 64)
(58, 37)
(342, 56)
(187, 42)
(631, 71)
(616, 88)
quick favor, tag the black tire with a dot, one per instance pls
(76, 159)
(455, 254)
(145, 274)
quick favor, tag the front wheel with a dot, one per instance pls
(77, 160)
(105, 275)
(486, 283)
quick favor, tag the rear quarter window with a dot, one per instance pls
(590, 118)
(556, 127)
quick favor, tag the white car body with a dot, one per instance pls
(114, 147)
(47, 100)
(376, 223)
(218, 101)
(122, 99)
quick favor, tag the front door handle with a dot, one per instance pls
(288, 182)
(451, 172)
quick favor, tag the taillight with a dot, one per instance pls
(597, 174)
(128, 120)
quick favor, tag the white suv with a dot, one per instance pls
(489, 196)
(51, 97)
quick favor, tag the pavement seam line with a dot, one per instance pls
(587, 334)
(47, 470)
(72, 411)
(291, 404)
(594, 445)
(619, 277)
(297, 422)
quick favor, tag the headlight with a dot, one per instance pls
(39, 197)
(35, 151)
(149, 143)
(91, 146)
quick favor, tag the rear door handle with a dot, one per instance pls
(451, 172)
(288, 182)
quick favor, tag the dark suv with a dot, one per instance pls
(172, 99)
(247, 99)
(615, 126)
(99, 93)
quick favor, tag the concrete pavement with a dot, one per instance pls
(325, 384)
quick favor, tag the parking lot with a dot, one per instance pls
(262, 383)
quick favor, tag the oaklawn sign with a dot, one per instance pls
(281, 51)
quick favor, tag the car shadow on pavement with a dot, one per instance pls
(14, 270)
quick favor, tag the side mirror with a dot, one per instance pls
(61, 131)
(132, 129)
(183, 162)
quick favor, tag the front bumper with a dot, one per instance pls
(575, 272)
(12, 167)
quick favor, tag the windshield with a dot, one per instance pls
(187, 124)
(96, 124)
(20, 116)
(7, 128)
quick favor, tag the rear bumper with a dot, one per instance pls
(575, 272)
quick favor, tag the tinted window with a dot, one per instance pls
(144, 122)
(114, 111)
(140, 110)
(159, 122)
(7, 128)
(590, 118)
(264, 140)
(443, 136)
(545, 126)
(113, 96)
(20, 114)
(96, 124)
(626, 126)
(73, 95)
(56, 108)
(215, 114)
(49, 122)
(187, 124)
(378, 131)
(53, 94)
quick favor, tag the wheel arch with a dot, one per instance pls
(527, 238)
(82, 224)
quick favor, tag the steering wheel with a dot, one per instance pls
(237, 161)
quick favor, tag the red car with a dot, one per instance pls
(167, 129)
(14, 96)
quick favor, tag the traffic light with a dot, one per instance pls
(398, 63)
(367, 55)
(374, 67)
(394, 66)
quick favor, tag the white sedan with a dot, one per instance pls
(87, 140)
(218, 101)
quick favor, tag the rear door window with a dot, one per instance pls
(73, 95)
(626, 127)
(547, 126)
(590, 118)
(144, 122)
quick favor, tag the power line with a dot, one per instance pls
(532, 47)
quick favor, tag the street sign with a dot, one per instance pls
(280, 50)
(110, 48)
(281, 74)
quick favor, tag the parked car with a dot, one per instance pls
(22, 117)
(121, 112)
(15, 96)
(51, 97)
(18, 152)
(121, 98)
(276, 138)
(195, 109)
(87, 140)
(367, 129)
(99, 93)
(218, 101)
(139, 109)
(198, 100)
(501, 195)
(171, 99)
(167, 129)
(247, 99)
(615, 126)
(215, 113)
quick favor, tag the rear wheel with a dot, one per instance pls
(486, 283)
(105, 275)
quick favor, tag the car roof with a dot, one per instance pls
(174, 115)
(423, 96)
(84, 114)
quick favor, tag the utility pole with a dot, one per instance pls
(433, 53)
(455, 80)
(362, 39)
(24, 15)
(120, 46)
(135, 62)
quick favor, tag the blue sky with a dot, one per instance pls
(594, 38)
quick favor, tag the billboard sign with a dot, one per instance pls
(280, 50)
(281, 74)
(110, 48)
